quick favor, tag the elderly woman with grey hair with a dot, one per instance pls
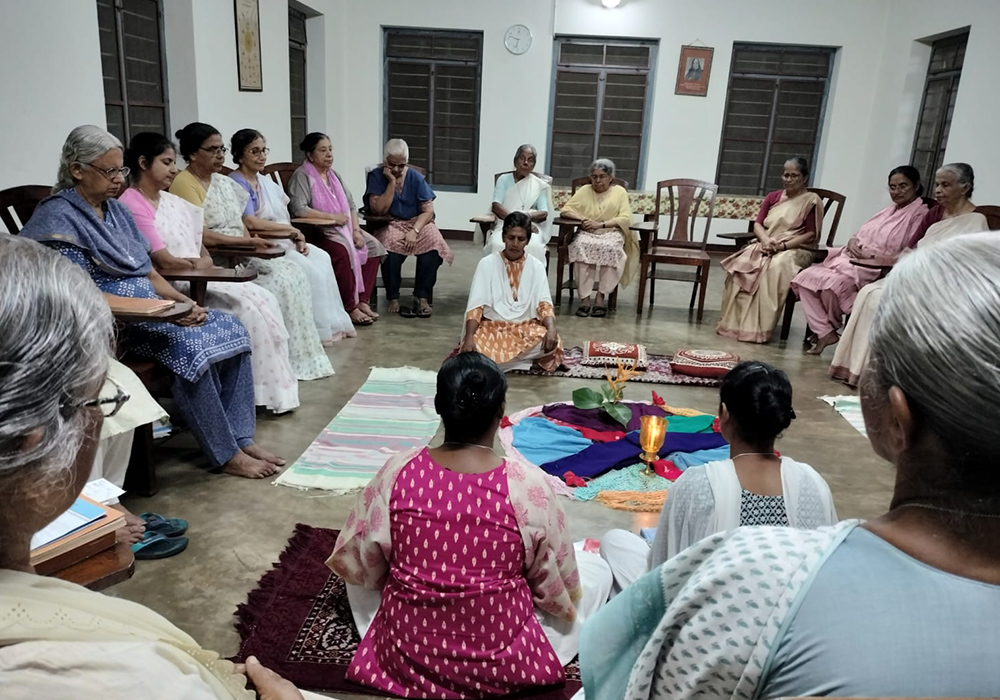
(849, 610)
(58, 639)
(207, 351)
(604, 247)
(402, 193)
(954, 215)
(522, 190)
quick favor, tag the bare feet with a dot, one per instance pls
(246, 466)
(394, 306)
(258, 452)
(360, 317)
(823, 343)
(425, 305)
(134, 528)
(368, 311)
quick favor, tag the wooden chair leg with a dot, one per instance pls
(560, 268)
(641, 298)
(652, 284)
(701, 292)
(786, 324)
(613, 299)
(141, 475)
(694, 290)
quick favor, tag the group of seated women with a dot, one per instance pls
(474, 551)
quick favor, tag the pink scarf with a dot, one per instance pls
(333, 200)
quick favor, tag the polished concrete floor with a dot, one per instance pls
(239, 527)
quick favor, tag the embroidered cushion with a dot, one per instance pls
(714, 364)
(607, 353)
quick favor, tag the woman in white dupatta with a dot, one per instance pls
(509, 317)
(848, 610)
(522, 190)
(58, 639)
(754, 486)
(267, 210)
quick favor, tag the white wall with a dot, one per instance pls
(50, 82)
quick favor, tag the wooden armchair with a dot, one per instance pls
(281, 173)
(566, 232)
(485, 222)
(685, 197)
(375, 222)
(17, 204)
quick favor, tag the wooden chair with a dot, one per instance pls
(830, 199)
(486, 221)
(281, 173)
(17, 204)
(992, 214)
(567, 231)
(686, 197)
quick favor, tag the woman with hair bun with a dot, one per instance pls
(753, 487)
(466, 558)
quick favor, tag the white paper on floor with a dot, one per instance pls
(850, 408)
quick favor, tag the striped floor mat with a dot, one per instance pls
(391, 413)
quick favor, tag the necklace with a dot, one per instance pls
(753, 454)
(149, 199)
(953, 511)
(468, 444)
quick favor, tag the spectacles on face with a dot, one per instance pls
(214, 150)
(109, 406)
(900, 188)
(791, 176)
(259, 151)
(109, 173)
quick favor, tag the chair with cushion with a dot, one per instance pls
(686, 200)
(566, 232)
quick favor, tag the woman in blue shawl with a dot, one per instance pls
(207, 351)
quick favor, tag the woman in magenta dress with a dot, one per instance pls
(479, 593)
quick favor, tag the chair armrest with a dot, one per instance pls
(212, 274)
(263, 233)
(875, 263)
(483, 219)
(243, 251)
(739, 236)
(648, 226)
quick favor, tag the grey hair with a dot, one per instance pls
(526, 147)
(801, 164)
(54, 349)
(965, 174)
(940, 344)
(396, 147)
(85, 144)
(605, 164)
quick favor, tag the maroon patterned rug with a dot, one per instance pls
(298, 622)
(658, 371)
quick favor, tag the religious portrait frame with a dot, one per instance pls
(694, 70)
(248, 59)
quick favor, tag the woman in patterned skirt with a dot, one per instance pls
(467, 559)
(753, 487)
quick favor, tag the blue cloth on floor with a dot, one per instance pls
(683, 460)
(602, 457)
(540, 440)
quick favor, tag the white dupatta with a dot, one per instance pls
(491, 289)
(273, 201)
(522, 196)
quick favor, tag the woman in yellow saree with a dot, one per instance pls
(760, 275)
(603, 240)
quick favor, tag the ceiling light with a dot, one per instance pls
(611, 4)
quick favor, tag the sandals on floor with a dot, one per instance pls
(421, 312)
(407, 312)
(168, 527)
(583, 311)
(155, 546)
(599, 312)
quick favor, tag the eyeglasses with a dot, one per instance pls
(109, 406)
(214, 150)
(110, 173)
(900, 188)
(259, 151)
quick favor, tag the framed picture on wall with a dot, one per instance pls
(248, 45)
(693, 70)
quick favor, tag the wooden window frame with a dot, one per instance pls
(125, 103)
(602, 72)
(953, 76)
(769, 143)
(473, 185)
(300, 46)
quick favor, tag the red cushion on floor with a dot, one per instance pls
(714, 364)
(608, 353)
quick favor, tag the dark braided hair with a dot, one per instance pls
(759, 399)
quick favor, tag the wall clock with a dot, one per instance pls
(517, 39)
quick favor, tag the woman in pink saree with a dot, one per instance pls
(828, 290)
(760, 275)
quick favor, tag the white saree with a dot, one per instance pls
(530, 194)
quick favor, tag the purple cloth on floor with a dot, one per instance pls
(596, 419)
(602, 457)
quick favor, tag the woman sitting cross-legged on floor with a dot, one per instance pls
(208, 352)
(466, 558)
(509, 316)
(852, 610)
(753, 487)
(174, 229)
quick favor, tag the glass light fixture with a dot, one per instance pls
(611, 4)
(652, 433)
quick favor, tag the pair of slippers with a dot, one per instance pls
(162, 538)
(596, 311)
(415, 311)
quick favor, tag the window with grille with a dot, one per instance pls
(938, 104)
(297, 75)
(600, 106)
(432, 97)
(774, 111)
(135, 96)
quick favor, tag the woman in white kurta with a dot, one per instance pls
(173, 227)
(753, 487)
(509, 316)
(525, 191)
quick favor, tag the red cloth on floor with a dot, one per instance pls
(667, 469)
(591, 434)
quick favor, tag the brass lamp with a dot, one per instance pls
(652, 433)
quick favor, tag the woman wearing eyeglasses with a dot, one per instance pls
(207, 351)
(223, 202)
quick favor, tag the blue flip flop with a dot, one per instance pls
(168, 527)
(155, 546)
